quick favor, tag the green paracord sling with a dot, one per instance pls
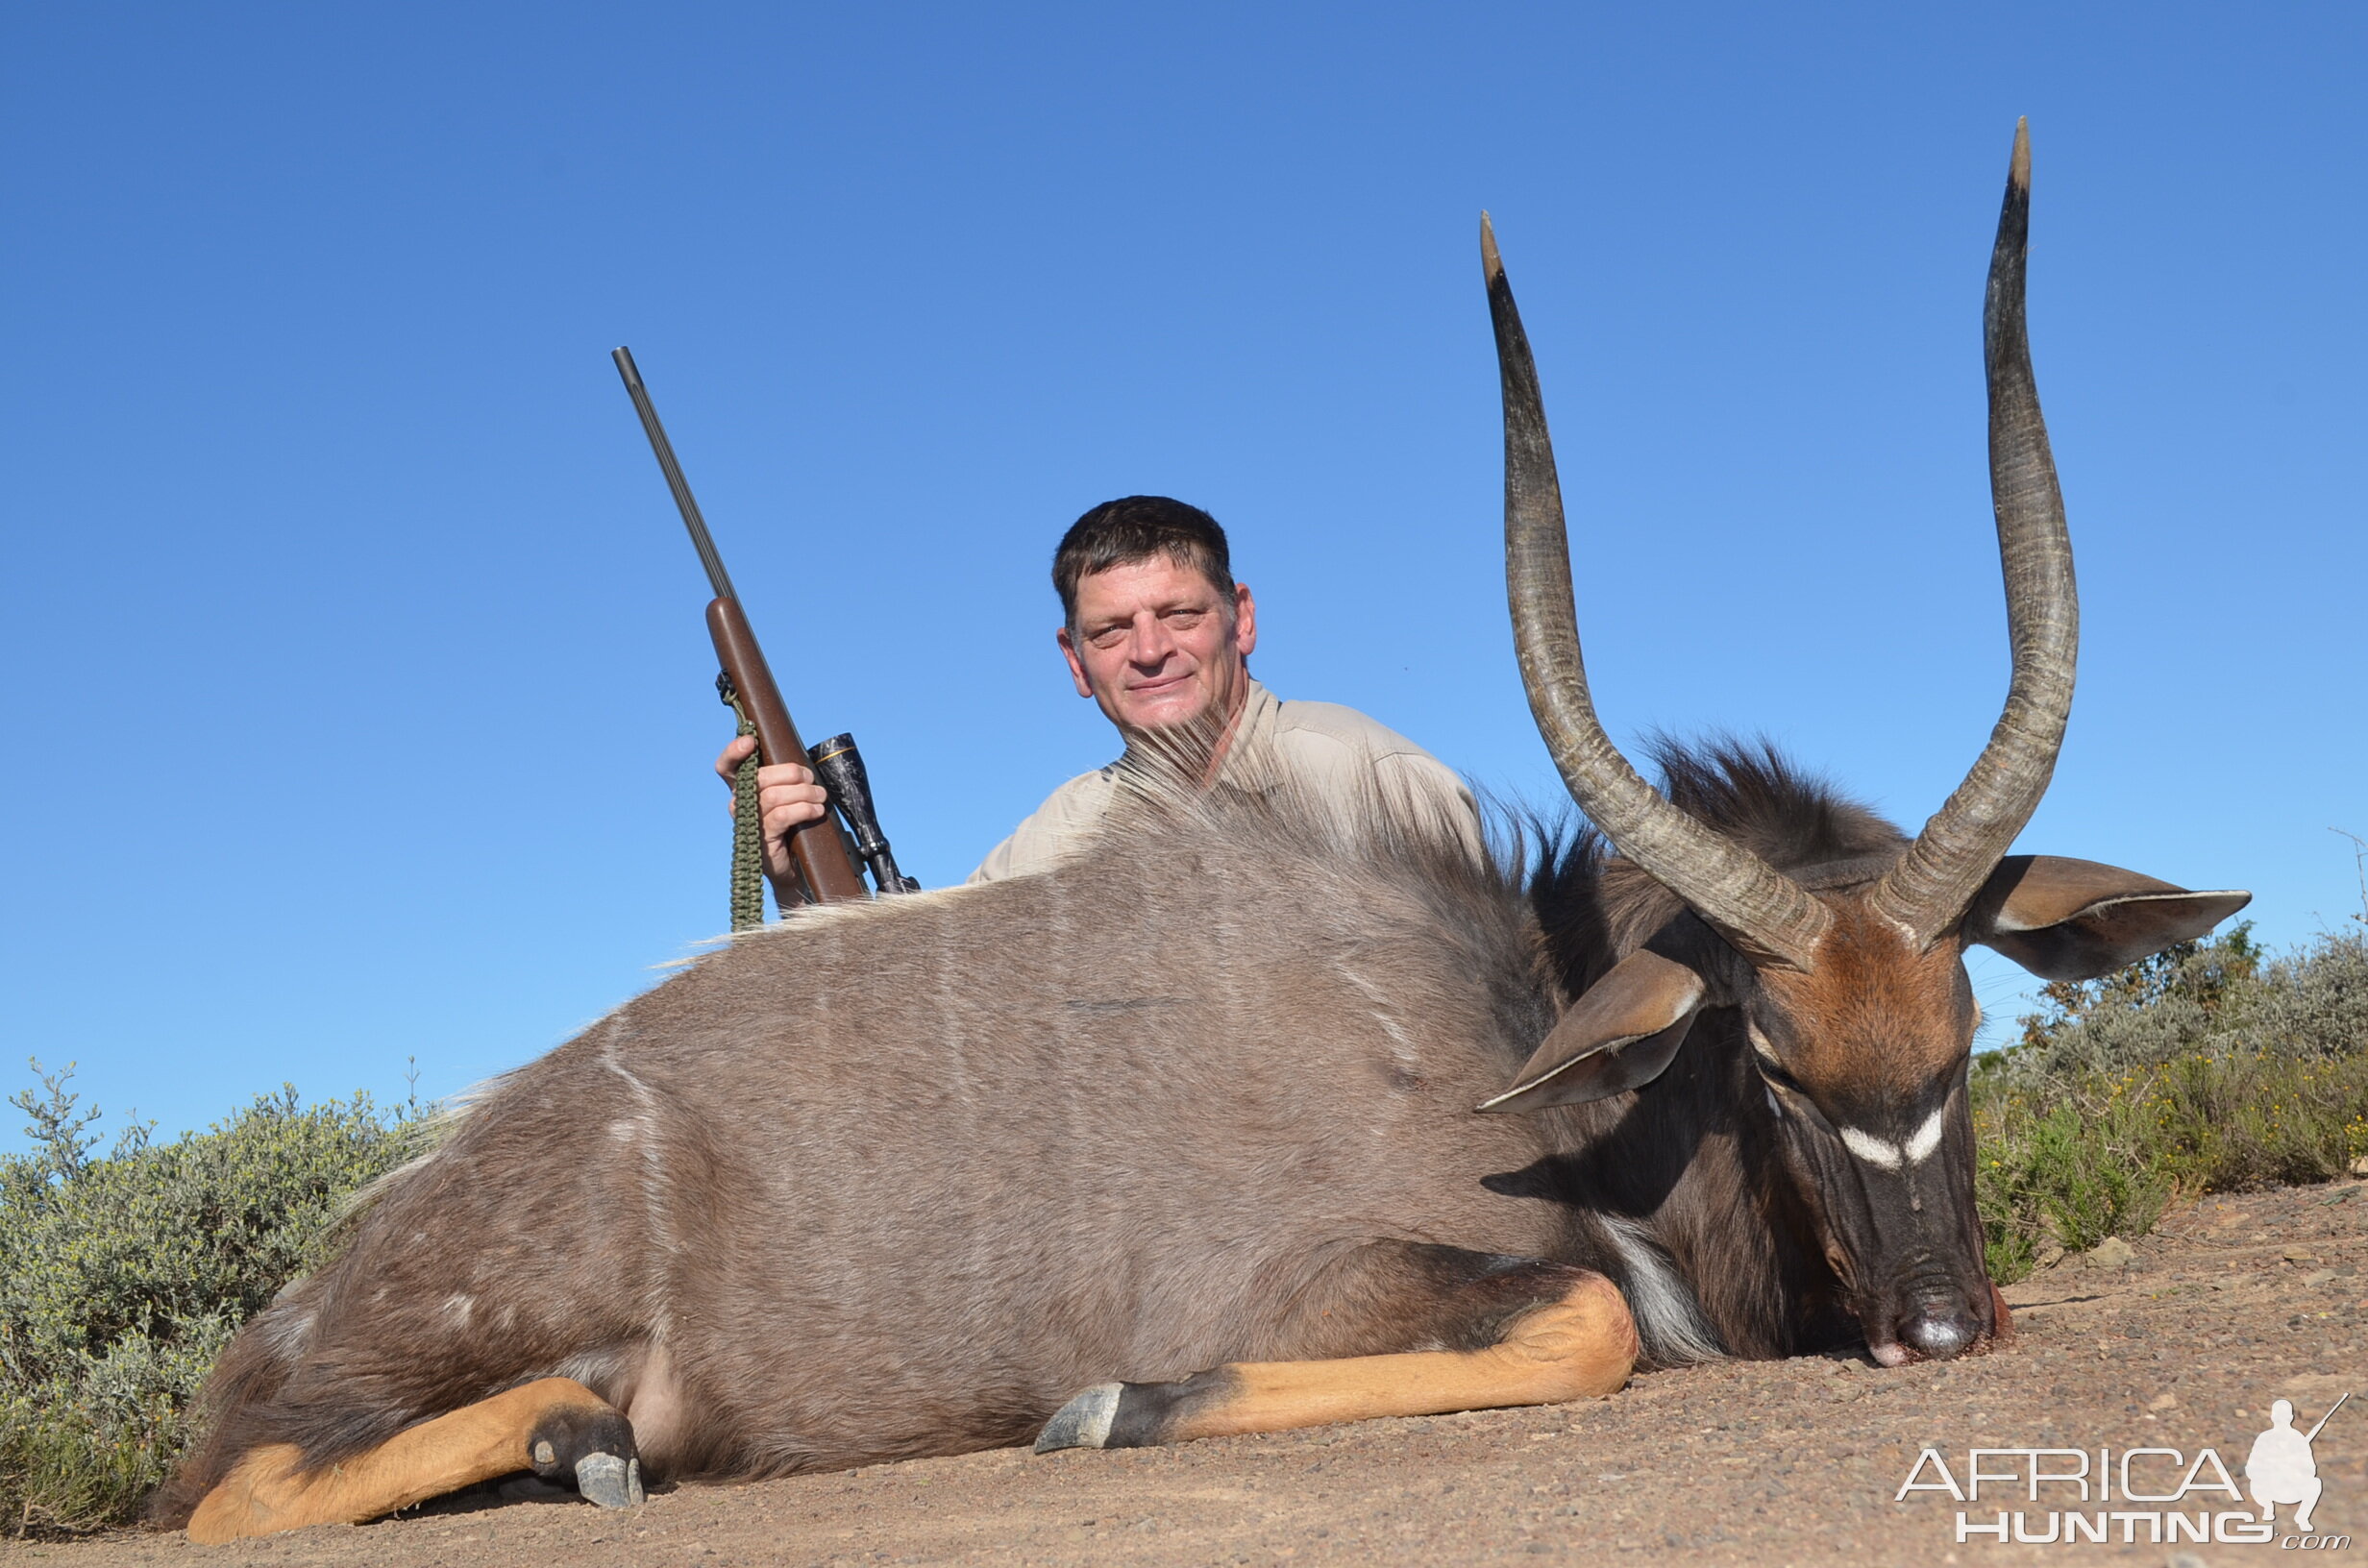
(748, 827)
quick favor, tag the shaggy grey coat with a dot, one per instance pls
(900, 1178)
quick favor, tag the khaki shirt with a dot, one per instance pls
(1332, 751)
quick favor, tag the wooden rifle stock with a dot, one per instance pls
(820, 853)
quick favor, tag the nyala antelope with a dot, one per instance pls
(1178, 1140)
(1776, 972)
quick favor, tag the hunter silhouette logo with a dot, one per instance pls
(2280, 1469)
(2150, 1495)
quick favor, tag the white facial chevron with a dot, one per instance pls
(1926, 1138)
(1885, 1155)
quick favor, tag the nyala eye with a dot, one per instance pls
(1765, 1056)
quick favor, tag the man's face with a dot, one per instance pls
(1157, 645)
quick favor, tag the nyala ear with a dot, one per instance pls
(1618, 1035)
(2075, 919)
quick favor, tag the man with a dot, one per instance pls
(1158, 633)
(2280, 1469)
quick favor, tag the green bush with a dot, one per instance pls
(122, 1276)
(2205, 1069)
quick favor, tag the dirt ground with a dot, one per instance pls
(2227, 1306)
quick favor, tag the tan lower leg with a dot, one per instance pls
(475, 1443)
(1580, 1346)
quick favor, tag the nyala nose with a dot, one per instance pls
(1940, 1329)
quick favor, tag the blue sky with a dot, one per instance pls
(357, 703)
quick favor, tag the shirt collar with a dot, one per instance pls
(1249, 756)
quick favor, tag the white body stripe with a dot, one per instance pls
(1668, 1317)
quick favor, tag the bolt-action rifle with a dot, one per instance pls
(822, 872)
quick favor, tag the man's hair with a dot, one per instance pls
(1135, 529)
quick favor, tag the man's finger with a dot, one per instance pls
(778, 795)
(789, 813)
(728, 761)
(773, 775)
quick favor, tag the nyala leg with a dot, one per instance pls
(555, 1427)
(1520, 1332)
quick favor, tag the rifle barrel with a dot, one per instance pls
(717, 577)
(822, 870)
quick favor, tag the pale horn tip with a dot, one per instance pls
(1491, 264)
(2019, 172)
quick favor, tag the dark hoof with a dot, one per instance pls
(609, 1481)
(1084, 1422)
(591, 1446)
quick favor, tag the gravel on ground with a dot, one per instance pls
(2229, 1303)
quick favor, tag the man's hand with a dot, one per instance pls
(786, 793)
